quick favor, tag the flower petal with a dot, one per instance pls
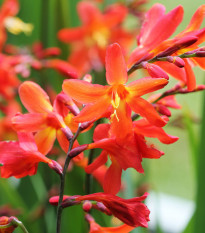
(162, 28)
(88, 12)
(116, 69)
(145, 109)
(112, 180)
(99, 161)
(190, 77)
(148, 130)
(27, 142)
(82, 91)
(34, 98)
(93, 111)
(71, 34)
(45, 139)
(145, 85)
(11, 155)
(30, 122)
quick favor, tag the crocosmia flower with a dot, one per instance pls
(99, 99)
(21, 158)
(130, 211)
(44, 119)
(90, 40)
(153, 41)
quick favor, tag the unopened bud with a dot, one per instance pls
(7, 225)
(156, 72)
(62, 100)
(200, 54)
(85, 125)
(163, 110)
(76, 151)
(101, 207)
(180, 44)
(56, 167)
(87, 205)
(200, 88)
(176, 61)
(67, 132)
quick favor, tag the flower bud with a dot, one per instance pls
(87, 205)
(67, 133)
(200, 54)
(6, 225)
(180, 44)
(176, 61)
(85, 125)
(155, 71)
(76, 151)
(163, 110)
(56, 167)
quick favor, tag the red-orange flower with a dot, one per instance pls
(153, 40)
(130, 211)
(97, 31)
(125, 149)
(21, 158)
(43, 118)
(100, 98)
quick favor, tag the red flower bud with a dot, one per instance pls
(6, 223)
(76, 151)
(155, 71)
(130, 211)
(87, 205)
(180, 44)
(176, 61)
(56, 167)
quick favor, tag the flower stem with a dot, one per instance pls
(62, 181)
(88, 176)
(19, 224)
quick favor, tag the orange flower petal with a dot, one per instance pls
(145, 109)
(145, 85)
(196, 20)
(190, 77)
(116, 69)
(34, 98)
(45, 139)
(88, 12)
(71, 34)
(83, 91)
(162, 28)
(93, 111)
(30, 122)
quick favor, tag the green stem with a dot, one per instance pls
(62, 184)
(18, 223)
(88, 176)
